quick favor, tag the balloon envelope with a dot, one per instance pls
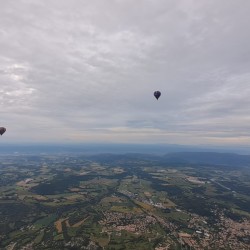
(157, 94)
(2, 130)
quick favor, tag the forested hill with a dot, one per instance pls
(196, 158)
(209, 158)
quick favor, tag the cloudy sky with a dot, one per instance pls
(85, 71)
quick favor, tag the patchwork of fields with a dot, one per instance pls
(126, 202)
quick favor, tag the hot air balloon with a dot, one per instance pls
(2, 130)
(157, 94)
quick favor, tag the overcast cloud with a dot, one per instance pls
(85, 71)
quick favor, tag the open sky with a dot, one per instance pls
(85, 71)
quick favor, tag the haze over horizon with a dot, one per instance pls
(85, 71)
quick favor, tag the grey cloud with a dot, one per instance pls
(88, 69)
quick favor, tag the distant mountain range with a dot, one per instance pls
(161, 153)
(212, 158)
(115, 148)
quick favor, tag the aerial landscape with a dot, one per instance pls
(128, 201)
(124, 125)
